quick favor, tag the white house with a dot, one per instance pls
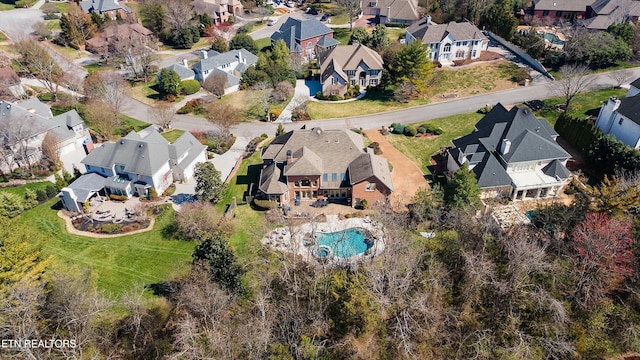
(182, 69)
(349, 65)
(23, 127)
(512, 154)
(231, 64)
(448, 42)
(134, 164)
(621, 118)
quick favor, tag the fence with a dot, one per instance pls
(535, 64)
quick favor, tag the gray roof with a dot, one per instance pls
(531, 139)
(139, 156)
(327, 42)
(215, 60)
(556, 169)
(87, 185)
(429, 32)
(636, 83)
(101, 6)
(293, 31)
(271, 179)
(563, 5)
(186, 144)
(38, 106)
(367, 166)
(182, 71)
(630, 108)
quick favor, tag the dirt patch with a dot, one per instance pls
(406, 176)
(484, 56)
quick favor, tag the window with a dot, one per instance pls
(447, 48)
(457, 43)
(351, 73)
(353, 82)
(460, 54)
(621, 120)
(305, 182)
(374, 72)
(334, 177)
(475, 42)
(558, 13)
(296, 183)
(474, 53)
(373, 82)
(370, 187)
(464, 43)
(343, 176)
(545, 13)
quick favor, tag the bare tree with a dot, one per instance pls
(261, 98)
(51, 148)
(216, 84)
(109, 88)
(41, 31)
(282, 90)
(102, 120)
(163, 115)
(621, 77)
(573, 80)
(177, 15)
(224, 115)
(35, 60)
(352, 8)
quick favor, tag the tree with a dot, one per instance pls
(573, 80)
(153, 16)
(261, 99)
(218, 257)
(412, 64)
(179, 23)
(530, 42)
(110, 88)
(51, 148)
(11, 205)
(224, 115)
(379, 38)
(195, 219)
(216, 84)
(500, 19)
(612, 197)
(36, 61)
(169, 82)
(603, 247)
(623, 31)
(209, 186)
(359, 35)
(218, 44)
(76, 27)
(352, 8)
(462, 190)
(282, 91)
(163, 115)
(41, 31)
(99, 116)
(243, 41)
(279, 129)
(596, 49)
(621, 77)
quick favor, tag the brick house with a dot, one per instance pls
(349, 65)
(305, 39)
(305, 165)
(219, 10)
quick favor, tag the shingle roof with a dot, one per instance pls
(327, 42)
(557, 170)
(271, 180)
(429, 32)
(563, 5)
(182, 71)
(294, 31)
(406, 10)
(139, 156)
(216, 61)
(348, 57)
(186, 143)
(87, 185)
(636, 83)
(306, 163)
(101, 6)
(630, 108)
(369, 165)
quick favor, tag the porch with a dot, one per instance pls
(535, 185)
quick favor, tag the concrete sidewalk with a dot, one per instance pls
(304, 91)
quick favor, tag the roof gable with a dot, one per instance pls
(630, 108)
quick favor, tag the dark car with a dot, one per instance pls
(325, 18)
(312, 11)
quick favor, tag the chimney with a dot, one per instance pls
(289, 157)
(505, 146)
(388, 14)
(185, 63)
(204, 54)
(240, 60)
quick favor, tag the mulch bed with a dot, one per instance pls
(484, 56)
(109, 227)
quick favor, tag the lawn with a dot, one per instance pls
(249, 224)
(582, 106)
(33, 186)
(342, 35)
(117, 263)
(129, 123)
(172, 135)
(420, 150)
(263, 43)
(53, 25)
(147, 93)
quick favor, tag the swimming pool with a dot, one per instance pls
(343, 244)
(553, 38)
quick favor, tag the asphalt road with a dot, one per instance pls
(18, 23)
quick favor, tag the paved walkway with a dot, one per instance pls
(304, 91)
(406, 175)
(225, 162)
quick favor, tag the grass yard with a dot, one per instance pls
(63, 7)
(117, 263)
(582, 106)
(172, 135)
(131, 123)
(53, 25)
(249, 224)
(147, 93)
(33, 186)
(473, 80)
(243, 101)
(420, 150)
(263, 43)
(342, 35)
(3, 37)
(376, 101)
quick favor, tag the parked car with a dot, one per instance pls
(325, 18)
(272, 22)
(291, 4)
(312, 11)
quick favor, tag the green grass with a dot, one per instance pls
(53, 25)
(341, 34)
(117, 263)
(249, 223)
(131, 123)
(3, 37)
(420, 150)
(582, 106)
(340, 19)
(172, 135)
(263, 43)
(63, 7)
(20, 190)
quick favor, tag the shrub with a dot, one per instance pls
(11, 205)
(300, 114)
(263, 205)
(170, 190)
(431, 129)
(421, 130)
(21, 4)
(170, 98)
(153, 194)
(364, 204)
(52, 17)
(190, 87)
(335, 98)
(41, 195)
(117, 197)
(397, 128)
(410, 131)
(30, 200)
(51, 191)
(485, 109)
(45, 97)
(110, 228)
(274, 114)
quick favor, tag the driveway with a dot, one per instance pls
(304, 90)
(18, 23)
(406, 175)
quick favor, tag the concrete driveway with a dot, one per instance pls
(304, 91)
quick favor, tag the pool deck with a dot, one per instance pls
(292, 240)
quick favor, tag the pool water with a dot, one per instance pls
(554, 39)
(345, 243)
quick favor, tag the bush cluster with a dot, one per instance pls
(428, 128)
(263, 205)
(192, 106)
(376, 148)
(190, 87)
(410, 131)
(397, 128)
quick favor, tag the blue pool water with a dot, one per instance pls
(343, 244)
(553, 38)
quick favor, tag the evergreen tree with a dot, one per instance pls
(11, 205)
(501, 20)
(243, 41)
(359, 35)
(219, 45)
(462, 190)
(169, 82)
(30, 199)
(411, 64)
(209, 186)
(215, 253)
(378, 39)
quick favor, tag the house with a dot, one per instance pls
(23, 127)
(218, 10)
(392, 11)
(621, 118)
(561, 9)
(107, 8)
(323, 164)
(512, 154)
(303, 37)
(448, 42)
(133, 165)
(10, 85)
(349, 65)
(634, 88)
(120, 37)
(604, 13)
(182, 70)
(231, 64)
